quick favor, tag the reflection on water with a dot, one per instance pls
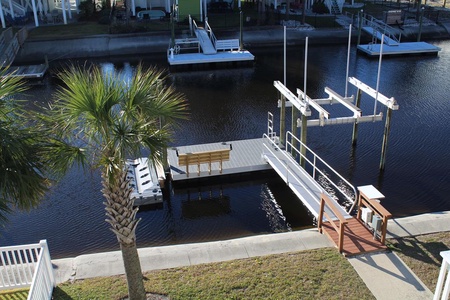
(232, 104)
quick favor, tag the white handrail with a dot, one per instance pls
(27, 266)
(43, 279)
(212, 37)
(288, 157)
(313, 164)
(383, 28)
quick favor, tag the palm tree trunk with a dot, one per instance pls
(133, 272)
(122, 218)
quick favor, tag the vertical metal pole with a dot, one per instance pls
(355, 125)
(360, 26)
(387, 128)
(378, 75)
(348, 58)
(283, 99)
(241, 40)
(284, 52)
(304, 117)
(172, 30)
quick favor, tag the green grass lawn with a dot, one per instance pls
(313, 274)
(421, 254)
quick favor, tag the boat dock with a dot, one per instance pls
(205, 48)
(227, 158)
(391, 39)
(351, 235)
(9, 46)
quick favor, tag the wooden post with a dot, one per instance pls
(322, 207)
(294, 130)
(283, 120)
(241, 40)
(303, 140)
(384, 229)
(387, 128)
(361, 15)
(355, 125)
(341, 236)
(358, 215)
(420, 23)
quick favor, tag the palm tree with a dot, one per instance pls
(111, 119)
(23, 167)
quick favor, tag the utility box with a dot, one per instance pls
(366, 215)
(376, 223)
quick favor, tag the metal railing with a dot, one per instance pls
(27, 266)
(292, 140)
(382, 28)
(289, 171)
(211, 35)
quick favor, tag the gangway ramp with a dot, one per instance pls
(379, 35)
(205, 41)
(298, 179)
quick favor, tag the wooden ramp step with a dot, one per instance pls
(358, 239)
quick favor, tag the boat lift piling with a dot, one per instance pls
(283, 98)
(304, 113)
(301, 103)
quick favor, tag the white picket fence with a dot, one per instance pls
(27, 266)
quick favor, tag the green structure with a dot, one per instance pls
(189, 7)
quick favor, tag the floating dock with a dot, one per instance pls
(28, 72)
(244, 156)
(205, 48)
(220, 57)
(10, 44)
(145, 182)
(390, 37)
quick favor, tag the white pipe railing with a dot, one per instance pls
(212, 37)
(289, 171)
(27, 266)
(290, 137)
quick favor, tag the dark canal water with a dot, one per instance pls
(232, 104)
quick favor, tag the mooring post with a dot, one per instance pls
(282, 120)
(355, 125)
(241, 40)
(387, 129)
(420, 23)
(283, 99)
(294, 130)
(360, 26)
(303, 140)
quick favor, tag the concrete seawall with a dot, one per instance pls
(35, 50)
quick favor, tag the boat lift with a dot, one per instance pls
(303, 102)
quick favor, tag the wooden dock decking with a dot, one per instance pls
(245, 156)
(358, 239)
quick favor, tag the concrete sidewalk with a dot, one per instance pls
(384, 273)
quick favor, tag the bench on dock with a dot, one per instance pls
(224, 45)
(203, 157)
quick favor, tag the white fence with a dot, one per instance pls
(27, 266)
(445, 271)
